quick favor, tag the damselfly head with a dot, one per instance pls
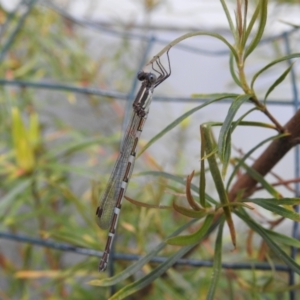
(142, 75)
(150, 77)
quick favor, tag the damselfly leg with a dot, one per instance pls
(163, 73)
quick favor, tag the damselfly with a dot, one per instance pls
(109, 209)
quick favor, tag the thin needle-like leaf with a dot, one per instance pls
(273, 205)
(226, 127)
(130, 289)
(263, 12)
(192, 34)
(217, 266)
(215, 172)
(271, 64)
(139, 264)
(281, 201)
(231, 25)
(259, 178)
(189, 195)
(259, 124)
(232, 71)
(190, 212)
(227, 155)
(157, 272)
(202, 183)
(239, 120)
(146, 205)
(194, 238)
(251, 23)
(283, 239)
(268, 239)
(245, 14)
(278, 81)
(181, 118)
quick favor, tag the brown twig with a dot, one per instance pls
(282, 182)
(269, 158)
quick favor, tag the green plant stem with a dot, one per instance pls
(264, 109)
(253, 99)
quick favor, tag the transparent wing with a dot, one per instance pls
(113, 188)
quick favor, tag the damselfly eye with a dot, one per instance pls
(151, 77)
(141, 76)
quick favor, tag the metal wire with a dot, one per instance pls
(115, 94)
(131, 257)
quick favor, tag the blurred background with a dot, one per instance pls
(67, 81)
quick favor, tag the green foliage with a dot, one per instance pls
(247, 37)
(43, 156)
(39, 157)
